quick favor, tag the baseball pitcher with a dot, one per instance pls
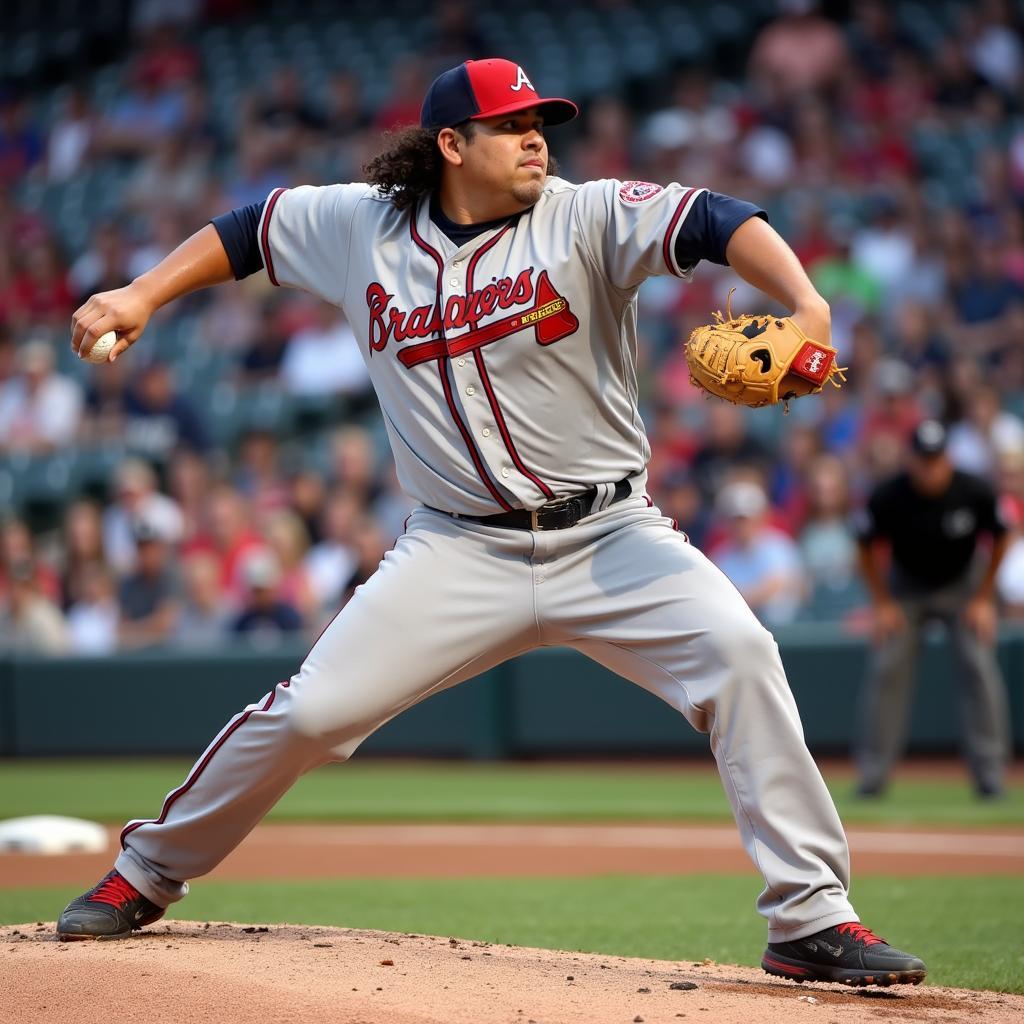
(495, 305)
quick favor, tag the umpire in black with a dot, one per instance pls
(932, 515)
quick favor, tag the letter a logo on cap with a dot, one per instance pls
(522, 80)
(487, 88)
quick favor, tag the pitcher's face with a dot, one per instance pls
(507, 154)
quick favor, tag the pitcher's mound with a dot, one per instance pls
(186, 970)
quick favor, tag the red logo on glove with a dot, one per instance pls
(812, 363)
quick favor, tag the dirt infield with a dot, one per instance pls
(188, 971)
(452, 851)
(227, 973)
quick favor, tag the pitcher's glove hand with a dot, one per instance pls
(758, 360)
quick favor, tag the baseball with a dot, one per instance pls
(101, 349)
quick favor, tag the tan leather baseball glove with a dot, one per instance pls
(759, 360)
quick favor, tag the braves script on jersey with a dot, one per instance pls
(505, 369)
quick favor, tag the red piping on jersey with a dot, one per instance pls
(503, 429)
(201, 766)
(667, 246)
(443, 370)
(265, 235)
(485, 379)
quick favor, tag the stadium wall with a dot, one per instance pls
(549, 703)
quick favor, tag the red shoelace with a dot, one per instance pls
(115, 890)
(859, 933)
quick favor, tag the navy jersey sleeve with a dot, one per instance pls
(709, 225)
(238, 233)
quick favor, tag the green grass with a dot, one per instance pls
(117, 790)
(966, 929)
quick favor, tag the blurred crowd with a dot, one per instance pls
(895, 169)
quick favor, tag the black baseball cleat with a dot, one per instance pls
(113, 909)
(849, 953)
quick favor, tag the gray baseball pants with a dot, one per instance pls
(454, 598)
(984, 709)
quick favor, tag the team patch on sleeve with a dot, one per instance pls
(637, 191)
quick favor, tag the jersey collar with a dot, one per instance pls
(429, 229)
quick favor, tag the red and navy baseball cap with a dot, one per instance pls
(486, 88)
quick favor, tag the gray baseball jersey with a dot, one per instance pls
(505, 368)
(506, 371)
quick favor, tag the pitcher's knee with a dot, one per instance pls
(753, 658)
(304, 719)
(336, 717)
(312, 720)
(325, 746)
(742, 668)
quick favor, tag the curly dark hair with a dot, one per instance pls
(410, 164)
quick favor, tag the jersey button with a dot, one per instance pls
(454, 282)
(471, 390)
(486, 431)
(462, 362)
(504, 471)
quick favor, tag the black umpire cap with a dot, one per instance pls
(929, 438)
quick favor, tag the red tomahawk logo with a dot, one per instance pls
(549, 315)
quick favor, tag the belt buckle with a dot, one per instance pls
(569, 506)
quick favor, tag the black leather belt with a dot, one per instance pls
(559, 514)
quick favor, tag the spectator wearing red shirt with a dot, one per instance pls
(230, 535)
(41, 295)
(166, 60)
